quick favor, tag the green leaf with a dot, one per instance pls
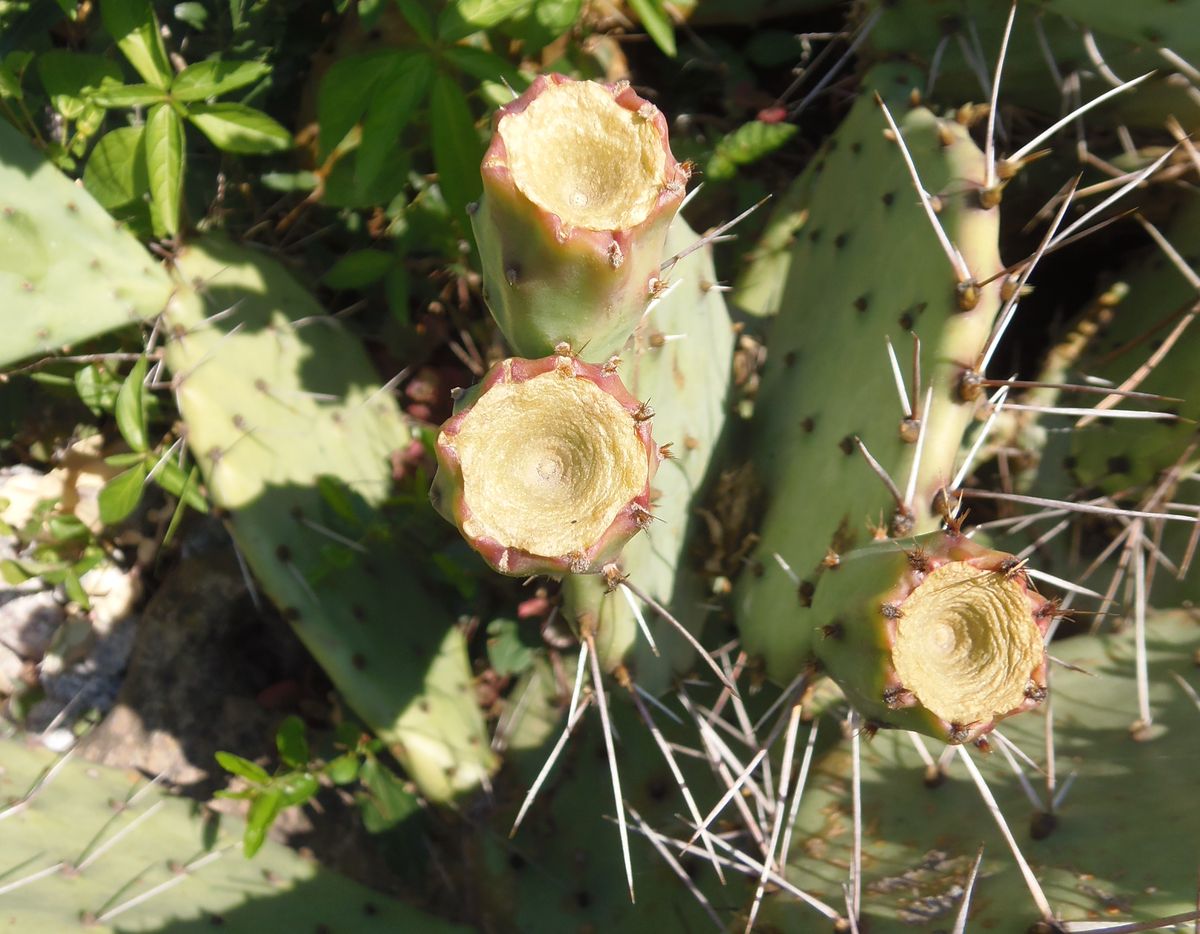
(344, 95)
(131, 407)
(387, 802)
(214, 78)
(97, 387)
(238, 128)
(128, 459)
(747, 144)
(358, 269)
(70, 79)
(10, 84)
(418, 18)
(298, 788)
(485, 66)
(507, 654)
(121, 494)
(463, 17)
(115, 173)
(67, 527)
(134, 26)
(343, 770)
(396, 287)
(654, 20)
(115, 94)
(263, 811)
(291, 741)
(74, 588)
(164, 164)
(192, 13)
(457, 150)
(13, 574)
(185, 497)
(248, 770)
(396, 94)
(171, 477)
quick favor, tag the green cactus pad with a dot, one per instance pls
(1122, 846)
(865, 266)
(680, 363)
(294, 439)
(130, 857)
(68, 271)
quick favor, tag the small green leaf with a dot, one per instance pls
(485, 66)
(657, 23)
(115, 173)
(418, 18)
(213, 78)
(292, 743)
(745, 145)
(70, 79)
(192, 13)
(134, 26)
(463, 17)
(358, 269)
(74, 588)
(13, 574)
(10, 84)
(244, 768)
(185, 497)
(171, 477)
(128, 459)
(396, 94)
(263, 811)
(457, 150)
(96, 386)
(121, 494)
(344, 95)
(298, 788)
(387, 802)
(115, 94)
(507, 654)
(343, 770)
(238, 128)
(67, 527)
(164, 164)
(396, 287)
(131, 407)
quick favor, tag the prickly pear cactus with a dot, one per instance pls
(1119, 846)
(579, 188)
(293, 439)
(98, 850)
(679, 361)
(866, 267)
(67, 270)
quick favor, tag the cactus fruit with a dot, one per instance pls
(546, 467)
(680, 360)
(1118, 846)
(865, 267)
(579, 188)
(294, 442)
(67, 270)
(944, 638)
(94, 849)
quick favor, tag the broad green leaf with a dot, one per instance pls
(67, 527)
(134, 26)
(654, 19)
(131, 407)
(344, 95)
(263, 811)
(358, 269)
(418, 18)
(238, 128)
(292, 742)
(115, 94)
(507, 654)
(457, 150)
(251, 771)
(192, 13)
(400, 88)
(387, 802)
(164, 165)
(116, 170)
(10, 84)
(463, 17)
(121, 494)
(70, 79)
(214, 78)
(96, 387)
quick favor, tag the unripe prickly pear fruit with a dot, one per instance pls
(579, 187)
(945, 638)
(546, 465)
